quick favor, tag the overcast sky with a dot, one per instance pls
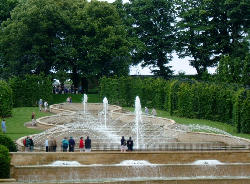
(178, 65)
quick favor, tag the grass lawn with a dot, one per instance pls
(187, 121)
(76, 98)
(15, 124)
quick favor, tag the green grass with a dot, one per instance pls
(76, 98)
(15, 124)
(187, 121)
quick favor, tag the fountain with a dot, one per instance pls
(85, 100)
(138, 119)
(105, 110)
(152, 133)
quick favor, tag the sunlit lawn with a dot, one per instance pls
(15, 124)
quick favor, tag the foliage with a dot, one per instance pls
(5, 8)
(234, 70)
(6, 141)
(29, 89)
(85, 38)
(153, 23)
(6, 99)
(4, 162)
(208, 29)
(187, 98)
(241, 111)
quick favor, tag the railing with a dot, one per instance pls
(162, 147)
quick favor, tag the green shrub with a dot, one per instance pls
(241, 109)
(6, 99)
(29, 89)
(6, 141)
(4, 162)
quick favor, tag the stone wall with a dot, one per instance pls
(175, 157)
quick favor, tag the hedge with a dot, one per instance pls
(189, 98)
(6, 99)
(6, 141)
(4, 162)
(241, 111)
(29, 89)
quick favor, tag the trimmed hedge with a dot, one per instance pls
(241, 111)
(4, 162)
(6, 99)
(29, 89)
(6, 141)
(189, 98)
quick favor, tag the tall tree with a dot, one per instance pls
(154, 25)
(76, 36)
(6, 6)
(208, 29)
(30, 40)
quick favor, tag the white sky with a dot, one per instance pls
(178, 65)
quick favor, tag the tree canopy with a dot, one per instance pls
(83, 39)
(86, 38)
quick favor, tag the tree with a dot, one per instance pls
(154, 25)
(76, 36)
(195, 37)
(208, 29)
(234, 70)
(5, 8)
(96, 43)
(30, 40)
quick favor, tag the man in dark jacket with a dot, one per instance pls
(88, 144)
(130, 144)
(71, 144)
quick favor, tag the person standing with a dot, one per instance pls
(47, 145)
(81, 144)
(33, 119)
(31, 144)
(54, 144)
(146, 110)
(24, 144)
(65, 144)
(154, 112)
(3, 126)
(50, 142)
(88, 144)
(123, 144)
(45, 106)
(130, 144)
(27, 144)
(40, 103)
(71, 144)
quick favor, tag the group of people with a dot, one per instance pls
(42, 105)
(126, 145)
(28, 144)
(69, 99)
(68, 144)
(153, 112)
(50, 145)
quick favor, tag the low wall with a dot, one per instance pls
(170, 157)
(105, 172)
